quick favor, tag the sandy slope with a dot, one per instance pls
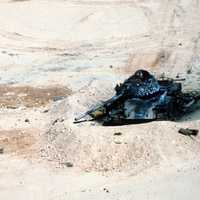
(57, 58)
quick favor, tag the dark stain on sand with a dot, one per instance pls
(19, 0)
(18, 141)
(16, 96)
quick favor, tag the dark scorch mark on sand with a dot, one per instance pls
(16, 96)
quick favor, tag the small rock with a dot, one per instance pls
(68, 164)
(11, 107)
(188, 132)
(58, 98)
(189, 71)
(12, 54)
(106, 190)
(117, 142)
(55, 121)
(46, 111)
(118, 133)
(58, 120)
(1, 150)
(105, 169)
(62, 119)
(27, 120)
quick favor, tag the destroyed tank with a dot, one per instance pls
(143, 98)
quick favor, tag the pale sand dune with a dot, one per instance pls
(79, 50)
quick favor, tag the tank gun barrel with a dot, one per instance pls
(171, 79)
(81, 116)
(100, 110)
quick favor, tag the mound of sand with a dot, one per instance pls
(92, 147)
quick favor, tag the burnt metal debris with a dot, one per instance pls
(188, 132)
(143, 98)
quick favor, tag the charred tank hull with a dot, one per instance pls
(142, 98)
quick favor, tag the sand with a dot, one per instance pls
(57, 59)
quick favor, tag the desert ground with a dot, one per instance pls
(60, 57)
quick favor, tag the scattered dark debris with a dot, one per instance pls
(188, 132)
(111, 66)
(54, 69)
(69, 54)
(19, 0)
(1, 150)
(178, 75)
(162, 76)
(162, 56)
(58, 120)
(180, 44)
(12, 54)
(11, 107)
(118, 133)
(117, 142)
(105, 169)
(27, 120)
(106, 190)
(58, 98)
(46, 111)
(55, 121)
(15, 33)
(12, 82)
(68, 164)
(21, 183)
(189, 71)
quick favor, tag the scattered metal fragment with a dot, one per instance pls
(58, 120)
(68, 164)
(106, 190)
(1, 150)
(188, 132)
(189, 71)
(117, 142)
(27, 120)
(55, 121)
(46, 111)
(118, 133)
(58, 98)
(11, 107)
